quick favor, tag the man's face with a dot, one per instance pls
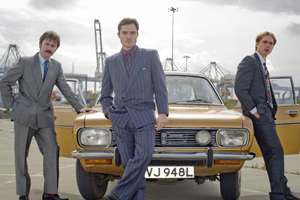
(265, 46)
(48, 48)
(128, 36)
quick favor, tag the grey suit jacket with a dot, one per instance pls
(32, 106)
(251, 88)
(134, 94)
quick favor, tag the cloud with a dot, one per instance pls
(272, 6)
(294, 28)
(53, 4)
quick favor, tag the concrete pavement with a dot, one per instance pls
(255, 185)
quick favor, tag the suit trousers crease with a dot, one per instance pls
(47, 143)
(136, 147)
(273, 155)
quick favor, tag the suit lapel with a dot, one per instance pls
(136, 65)
(262, 72)
(122, 68)
(37, 73)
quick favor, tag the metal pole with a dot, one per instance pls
(173, 11)
(186, 58)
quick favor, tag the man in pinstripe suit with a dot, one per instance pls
(135, 75)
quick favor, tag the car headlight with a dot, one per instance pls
(203, 138)
(94, 137)
(232, 137)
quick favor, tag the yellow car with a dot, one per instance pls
(203, 140)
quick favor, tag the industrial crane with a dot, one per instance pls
(100, 55)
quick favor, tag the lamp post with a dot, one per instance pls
(186, 58)
(173, 10)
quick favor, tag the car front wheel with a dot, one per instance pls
(92, 186)
(230, 184)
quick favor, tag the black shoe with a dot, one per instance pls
(50, 197)
(23, 197)
(290, 196)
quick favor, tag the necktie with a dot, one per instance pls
(128, 61)
(268, 85)
(45, 69)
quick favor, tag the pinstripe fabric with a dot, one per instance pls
(132, 114)
(136, 148)
(134, 94)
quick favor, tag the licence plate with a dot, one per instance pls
(169, 172)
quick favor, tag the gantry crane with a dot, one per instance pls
(100, 55)
(10, 57)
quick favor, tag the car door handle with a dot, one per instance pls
(292, 112)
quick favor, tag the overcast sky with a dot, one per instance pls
(222, 31)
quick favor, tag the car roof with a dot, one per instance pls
(184, 73)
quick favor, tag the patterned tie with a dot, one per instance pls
(128, 62)
(45, 69)
(268, 85)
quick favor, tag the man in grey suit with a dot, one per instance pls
(254, 90)
(136, 77)
(32, 112)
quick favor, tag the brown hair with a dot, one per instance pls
(52, 36)
(263, 34)
(126, 21)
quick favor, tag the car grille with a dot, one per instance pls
(179, 138)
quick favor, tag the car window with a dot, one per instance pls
(59, 100)
(283, 91)
(191, 90)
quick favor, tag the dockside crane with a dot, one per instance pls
(100, 55)
(10, 57)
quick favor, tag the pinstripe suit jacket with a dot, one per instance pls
(134, 94)
(32, 106)
(251, 88)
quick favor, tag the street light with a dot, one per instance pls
(186, 58)
(173, 10)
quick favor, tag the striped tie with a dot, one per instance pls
(128, 62)
(269, 93)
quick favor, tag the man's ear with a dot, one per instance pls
(118, 34)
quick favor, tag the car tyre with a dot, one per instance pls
(230, 184)
(92, 186)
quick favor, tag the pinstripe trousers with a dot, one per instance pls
(136, 147)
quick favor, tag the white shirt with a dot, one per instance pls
(42, 60)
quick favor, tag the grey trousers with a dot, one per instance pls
(136, 147)
(273, 155)
(47, 143)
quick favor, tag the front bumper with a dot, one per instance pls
(209, 155)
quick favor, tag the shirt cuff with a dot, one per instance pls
(254, 110)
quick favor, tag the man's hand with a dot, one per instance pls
(83, 110)
(161, 121)
(256, 115)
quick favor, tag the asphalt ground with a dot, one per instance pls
(255, 185)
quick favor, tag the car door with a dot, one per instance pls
(287, 116)
(65, 115)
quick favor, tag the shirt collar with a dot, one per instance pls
(262, 60)
(131, 51)
(42, 60)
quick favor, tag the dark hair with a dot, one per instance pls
(263, 34)
(52, 36)
(126, 21)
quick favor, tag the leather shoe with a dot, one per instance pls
(290, 196)
(23, 197)
(55, 197)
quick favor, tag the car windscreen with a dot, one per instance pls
(191, 90)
